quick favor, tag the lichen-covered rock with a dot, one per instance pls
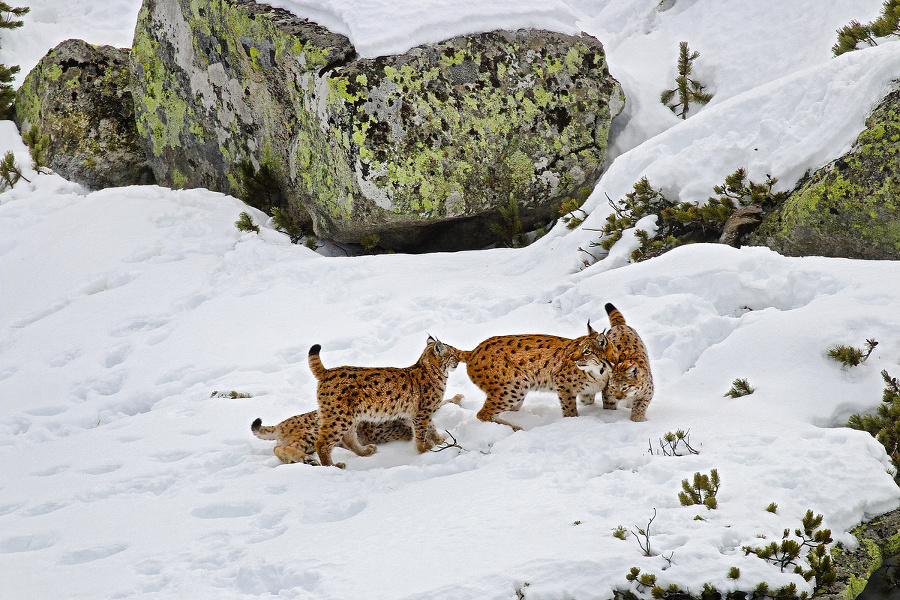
(421, 149)
(79, 95)
(851, 207)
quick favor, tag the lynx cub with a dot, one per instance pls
(297, 435)
(509, 366)
(630, 379)
(349, 395)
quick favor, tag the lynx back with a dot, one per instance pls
(507, 367)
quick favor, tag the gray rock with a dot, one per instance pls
(80, 96)
(420, 149)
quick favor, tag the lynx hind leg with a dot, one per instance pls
(494, 405)
(292, 453)
(351, 442)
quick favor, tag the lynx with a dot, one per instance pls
(508, 367)
(350, 395)
(630, 379)
(297, 435)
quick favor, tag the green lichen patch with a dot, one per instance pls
(849, 208)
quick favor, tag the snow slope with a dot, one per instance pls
(122, 312)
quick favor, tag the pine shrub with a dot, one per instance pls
(285, 224)
(10, 172)
(851, 35)
(9, 19)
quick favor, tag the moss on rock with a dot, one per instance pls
(388, 146)
(850, 208)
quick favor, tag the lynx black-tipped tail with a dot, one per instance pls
(615, 317)
(315, 363)
(255, 426)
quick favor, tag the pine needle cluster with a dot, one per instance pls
(687, 89)
(850, 356)
(884, 425)
(703, 491)
(283, 222)
(851, 35)
(739, 388)
(245, 223)
(9, 19)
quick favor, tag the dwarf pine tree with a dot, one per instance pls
(9, 19)
(10, 172)
(687, 90)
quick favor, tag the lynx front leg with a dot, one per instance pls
(609, 401)
(423, 430)
(567, 401)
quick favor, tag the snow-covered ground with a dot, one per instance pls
(123, 311)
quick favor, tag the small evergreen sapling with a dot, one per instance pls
(507, 229)
(37, 145)
(686, 89)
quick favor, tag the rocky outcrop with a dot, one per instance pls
(420, 149)
(79, 96)
(851, 207)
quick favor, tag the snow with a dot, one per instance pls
(123, 310)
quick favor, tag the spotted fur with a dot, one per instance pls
(630, 379)
(350, 395)
(297, 435)
(507, 367)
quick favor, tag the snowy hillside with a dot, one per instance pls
(123, 312)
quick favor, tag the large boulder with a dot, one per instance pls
(421, 149)
(851, 207)
(79, 96)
